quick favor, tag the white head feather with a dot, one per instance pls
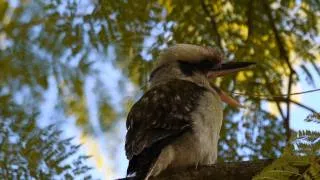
(189, 53)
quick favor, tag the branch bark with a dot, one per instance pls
(228, 171)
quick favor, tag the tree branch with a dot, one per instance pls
(250, 18)
(270, 89)
(213, 23)
(280, 99)
(282, 51)
(288, 102)
(283, 55)
(303, 106)
(228, 171)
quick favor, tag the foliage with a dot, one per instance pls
(30, 152)
(300, 160)
(40, 41)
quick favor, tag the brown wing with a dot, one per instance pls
(158, 118)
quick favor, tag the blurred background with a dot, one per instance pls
(71, 69)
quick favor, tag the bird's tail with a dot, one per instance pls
(138, 168)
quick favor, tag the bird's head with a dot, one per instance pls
(196, 64)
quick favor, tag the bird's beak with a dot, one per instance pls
(225, 69)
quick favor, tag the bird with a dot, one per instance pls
(177, 121)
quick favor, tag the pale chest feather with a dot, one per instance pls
(207, 119)
(201, 144)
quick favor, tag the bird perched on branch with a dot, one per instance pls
(176, 123)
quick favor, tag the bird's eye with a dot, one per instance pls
(187, 68)
(205, 65)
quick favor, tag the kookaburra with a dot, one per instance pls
(176, 123)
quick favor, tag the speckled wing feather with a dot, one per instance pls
(158, 118)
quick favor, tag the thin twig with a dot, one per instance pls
(281, 99)
(276, 96)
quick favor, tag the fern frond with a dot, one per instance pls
(315, 117)
(300, 159)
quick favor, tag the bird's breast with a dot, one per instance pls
(207, 119)
(199, 146)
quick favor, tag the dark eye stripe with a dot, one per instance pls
(187, 68)
(203, 66)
